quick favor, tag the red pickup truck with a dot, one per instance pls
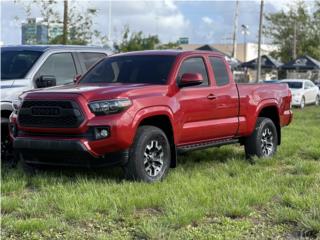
(139, 109)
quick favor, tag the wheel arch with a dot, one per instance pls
(272, 112)
(162, 118)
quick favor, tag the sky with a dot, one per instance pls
(201, 21)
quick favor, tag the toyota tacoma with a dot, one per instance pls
(140, 109)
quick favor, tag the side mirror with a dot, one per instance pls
(46, 81)
(77, 78)
(191, 79)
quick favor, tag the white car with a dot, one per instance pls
(303, 92)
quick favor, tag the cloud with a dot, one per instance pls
(207, 20)
(200, 21)
(152, 17)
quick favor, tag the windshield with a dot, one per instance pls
(294, 85)
(16, 64)
(151, 69)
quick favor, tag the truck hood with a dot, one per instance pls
(94, 92)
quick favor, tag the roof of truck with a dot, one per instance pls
(167, 52)
(43, 48)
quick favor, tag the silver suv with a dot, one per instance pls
(25, 68)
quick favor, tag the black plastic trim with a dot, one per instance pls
(204, 145)
(64, 153)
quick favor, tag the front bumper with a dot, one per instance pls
(296, 101)
(64, 153)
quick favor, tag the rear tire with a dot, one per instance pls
(302, 103)
(317, 102)
(150, 155)
(263, 141)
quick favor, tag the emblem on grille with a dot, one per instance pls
(45, 111)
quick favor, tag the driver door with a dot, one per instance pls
(195, 103)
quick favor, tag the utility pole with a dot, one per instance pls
(245, 32)
(294, 49)
(65, 22)
(235, 30)
(109, 21)
(259, 42)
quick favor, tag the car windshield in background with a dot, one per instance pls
(294, 85)
(16, 64)
(151, 69)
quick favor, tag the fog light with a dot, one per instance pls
(102, 132)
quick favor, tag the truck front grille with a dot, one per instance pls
(50, 114)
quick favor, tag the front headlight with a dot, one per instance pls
(16, 104)
(109, 106)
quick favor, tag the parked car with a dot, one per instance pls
(28, 67)
(272, 81)
(317, 83)
(139, 109)
(303, 92)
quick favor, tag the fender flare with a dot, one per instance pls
(153, 112)
(264, 104)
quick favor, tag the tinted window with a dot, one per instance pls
(294, 85)
(152, 69)
(60, 65)
(91, 58)
(16, 64)
(194, 65)
(310, 84)
(221, 74)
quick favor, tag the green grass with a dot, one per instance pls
(212, 194)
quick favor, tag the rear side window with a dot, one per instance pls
(60, 65)
(194, 65)
(219, 68)
(90, 58)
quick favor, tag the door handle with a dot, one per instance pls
(211, 96)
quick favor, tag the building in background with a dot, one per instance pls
(183, 40)
(34, 31)
(245, 52)
(37, 31)
(55, 30)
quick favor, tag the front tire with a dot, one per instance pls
(263, 141)
(6, 146)
(150, 155)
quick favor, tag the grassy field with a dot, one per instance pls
(212, 194)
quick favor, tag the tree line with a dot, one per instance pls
(296, 32)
